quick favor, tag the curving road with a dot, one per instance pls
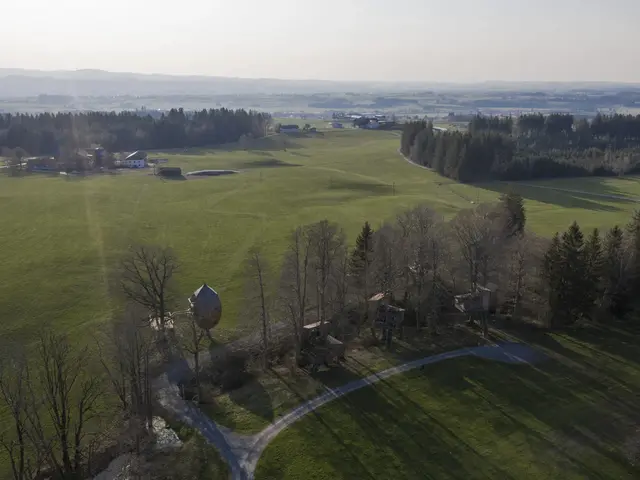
(242, 452)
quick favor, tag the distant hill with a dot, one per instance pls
(89, 83)
(78, 83)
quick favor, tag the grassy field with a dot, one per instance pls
(573, 416)
(268, 395)
(62, 237)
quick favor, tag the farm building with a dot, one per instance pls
(169, 171)
(289, 128)
(41, 163)
(136, 159)
(336, 125)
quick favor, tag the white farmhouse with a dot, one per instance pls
(137, 159)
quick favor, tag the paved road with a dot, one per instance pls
(242, 452)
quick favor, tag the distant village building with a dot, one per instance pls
(137, 159)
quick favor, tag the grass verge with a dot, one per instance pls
(573, 416)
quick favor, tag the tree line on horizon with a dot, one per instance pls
(527, 147)
(49, 134)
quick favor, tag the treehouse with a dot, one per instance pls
(386, 317)
(320, 348)
(205, 307)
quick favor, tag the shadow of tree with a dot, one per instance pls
(457, 419)
(589, 200)
(267, 163)
(171, 178)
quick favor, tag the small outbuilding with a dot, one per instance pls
(169, 171)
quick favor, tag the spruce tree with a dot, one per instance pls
(574, 304)
(514, 213)
(594, 263)
(361, 255)
(615, 293)
(633, 232)
(552, 274)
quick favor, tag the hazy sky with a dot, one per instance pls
(426, 40)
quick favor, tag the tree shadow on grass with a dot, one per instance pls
(396, 426)
(267, 163)
(254, 398)
(617, 339)
(223, 372)
(607, 356)
(367, 187)
(298, 154)
(579, 414)
(567, 199)
(172, 178)
(509, 394)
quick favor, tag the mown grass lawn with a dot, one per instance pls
(574, 416)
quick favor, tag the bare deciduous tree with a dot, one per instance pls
(294, 295)
(146, 279)
(15, 376)
(421, 233)
(516, 261)
(477, 237)
(192, 341)
(126, 354)
(64, 399)
(327, 251)
(259, 300)
(523, 255)
(386, 267)
(340, 281)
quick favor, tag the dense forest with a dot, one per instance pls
(48, 134)
(527, 147)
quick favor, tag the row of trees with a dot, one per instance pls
(420, 259)
(48, 134)
(424, 261)
(588, 277)
(488, 151)
(603, 127)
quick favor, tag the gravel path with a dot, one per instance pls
(242, 452)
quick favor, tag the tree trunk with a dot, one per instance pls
(196, 361)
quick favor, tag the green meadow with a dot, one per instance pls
(62, 237)
(572, 416)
